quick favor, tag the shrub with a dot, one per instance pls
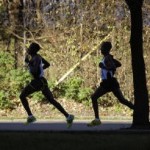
(5, 103)
(72, 87)
(12, 80)
(84, 94)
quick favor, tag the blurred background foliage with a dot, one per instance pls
(67, 31)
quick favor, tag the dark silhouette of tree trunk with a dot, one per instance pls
(141, 111)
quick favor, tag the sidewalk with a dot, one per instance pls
(60, 125)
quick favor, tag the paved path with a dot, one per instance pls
(60, 125)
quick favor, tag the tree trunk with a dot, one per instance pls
(141, 111)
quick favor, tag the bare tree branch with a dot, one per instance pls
(78, 63)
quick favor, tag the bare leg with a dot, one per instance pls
(47, 93)
(26, 92)
(98, 93)
(119, 95)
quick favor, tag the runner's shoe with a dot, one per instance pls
(30, 119)
(69, 120)
(95, 122)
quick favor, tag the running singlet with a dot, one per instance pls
(41, 70)
(104, 72)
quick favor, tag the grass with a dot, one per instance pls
(73, 141)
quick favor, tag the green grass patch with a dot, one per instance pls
(73, 141)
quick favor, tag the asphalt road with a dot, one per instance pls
(60, 125)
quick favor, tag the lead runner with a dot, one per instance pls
(36, 65)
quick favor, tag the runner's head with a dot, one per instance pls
(105, 48)
(33, 48)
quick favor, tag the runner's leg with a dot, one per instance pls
(117, 92)
(98, 93)
(23, 96)
(48, 94)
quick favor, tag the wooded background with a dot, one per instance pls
(69, 32)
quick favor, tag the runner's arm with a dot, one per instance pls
(109, 63)
(101, 65)
(117, 63)
(46, 64)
